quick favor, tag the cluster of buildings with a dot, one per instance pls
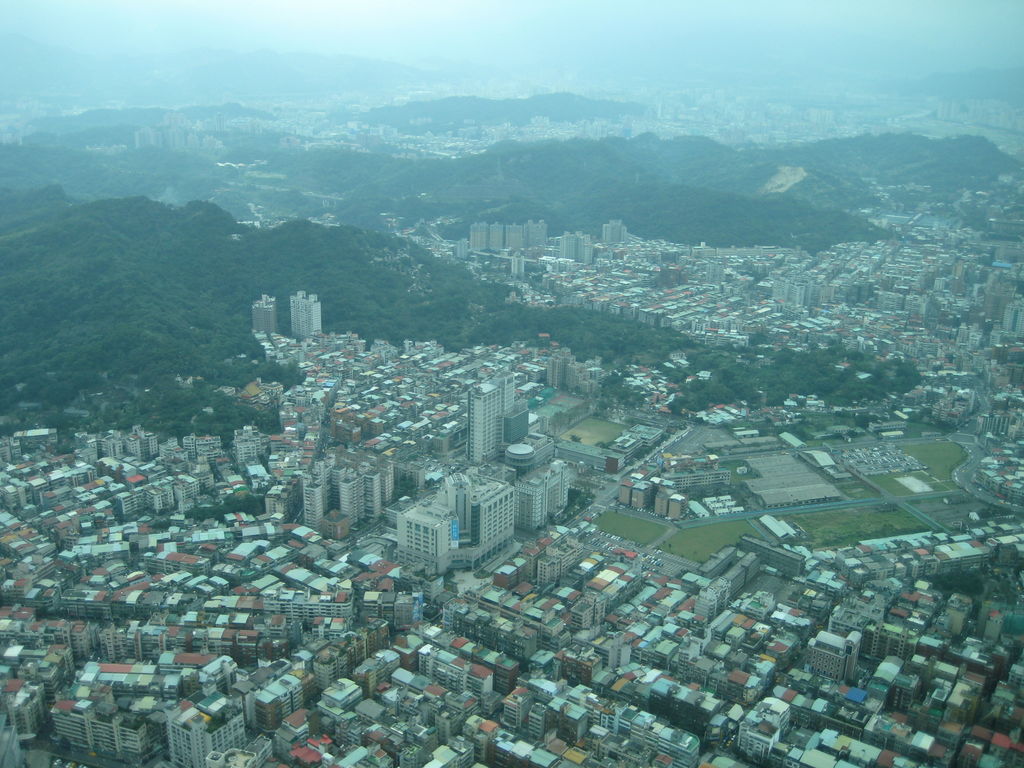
(411, 592)
(142, 632)
(941, 298)
(520, 244)
(304, 315)
(735, 116)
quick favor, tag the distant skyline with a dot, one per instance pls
(572, 39)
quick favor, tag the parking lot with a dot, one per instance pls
(879, 460)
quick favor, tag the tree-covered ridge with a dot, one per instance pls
(573, 185)
(18, 206)
(686, 189)
(121, 296)
(151, 172)
(125, 294)
(893, 159)
(122, 290)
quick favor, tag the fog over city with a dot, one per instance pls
(571, 39)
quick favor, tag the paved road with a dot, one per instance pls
(964, 474)
(42, 752)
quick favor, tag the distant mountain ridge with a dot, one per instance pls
(138, 117)
(687, 189)
(49, 73)
(461, 111)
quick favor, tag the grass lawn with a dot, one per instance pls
(822, 422)
(594, 431)
(940, 457)
(701, 543)
(917, 428)
(855, 489)
(734, 464)
(896, 488)
(843, 527)
(632, 528)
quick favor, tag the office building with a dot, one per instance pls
(468, 522)
(427, 535)
(11, 755)
(515, 236)
(496, 237)
(536, 234)
(1013, 320)
(485, 510)
(99, 727)
(834, 656)
(314, 502)
(305, 315)
(478, 236)
(762, 728)
(249, 446)
(488, 404)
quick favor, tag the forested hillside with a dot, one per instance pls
(132, 289)
(129, 292)
(686, 189)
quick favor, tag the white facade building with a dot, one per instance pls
(487, 404)
(212, 725)
(305, 315)
(470, 521)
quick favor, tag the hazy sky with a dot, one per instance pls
(901, 37)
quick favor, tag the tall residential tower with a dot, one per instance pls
(493, 417)
(305, 315)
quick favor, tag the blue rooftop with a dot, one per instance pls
(857, 694)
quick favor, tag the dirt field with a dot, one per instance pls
(594, 431)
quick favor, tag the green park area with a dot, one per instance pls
(843, 527)
(631, 528)
(594, 431)
(702, 542)
(940, 457)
